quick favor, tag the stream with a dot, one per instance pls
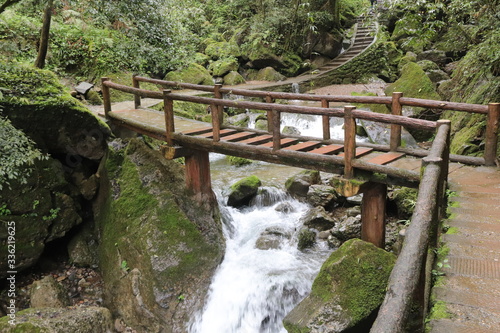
(254, 288)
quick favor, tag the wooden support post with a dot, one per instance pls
(373, 214)
(349, 141)
(106, 96)
(137, 98)
(218, 94)
(276, 120)
(397, 110)
(492, 128)
(168, 108)
(198, 175)
(216, 124)
(326, 120)
(269, 99)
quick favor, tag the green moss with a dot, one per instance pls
(218, 50)
(413, 83)
(307, 239)
(238, 161)
(405, 199)
(194, 73)
(223, 66)
(233, 78)
(452, 230)
(439, 310)
(250, 182)
(353, 274)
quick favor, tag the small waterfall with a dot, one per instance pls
(295, 88)
(256, 286)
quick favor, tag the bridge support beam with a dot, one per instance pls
(198, 175)
(373, 207)
(373, 214)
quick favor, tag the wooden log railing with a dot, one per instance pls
(395, 103)
(405, 282)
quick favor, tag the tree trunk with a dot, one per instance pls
(44, 38)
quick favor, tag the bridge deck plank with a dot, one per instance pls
(238, 136)
(285, 142)
(385, 158)
(257, 139)
(304, 146)
(327, 150)
(222, 132)
(360, 151)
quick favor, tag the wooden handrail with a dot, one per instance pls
(407, 271)
(395, 103)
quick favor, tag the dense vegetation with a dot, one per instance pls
(92, 38)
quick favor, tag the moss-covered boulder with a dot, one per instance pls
(243, 191)
(298, 185)
(268, 74)
(194, 73)
(238, 161)
(223, 66)
(159, 247)
(59, 320)
(219, 50)
(233, 78)
(415, 83)
(306, 239)
(348, 289)
(38, 104)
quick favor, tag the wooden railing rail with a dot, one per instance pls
(396, 102)
(405, 281)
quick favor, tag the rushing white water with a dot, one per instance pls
(253, 289)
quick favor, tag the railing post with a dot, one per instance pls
(269, 99)
(276, 123)
(492, 128)
(106, 96)
(168, 107)
(326, 120)
(137, 98)
(218, 94)
(349, 141)
(397, 110)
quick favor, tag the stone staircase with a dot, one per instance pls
(470, 289)
(364, 37)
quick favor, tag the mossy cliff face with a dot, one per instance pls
(38, 104)
(349, 287)
(158, 248)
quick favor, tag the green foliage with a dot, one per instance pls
(17, 151)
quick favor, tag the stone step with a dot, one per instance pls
(472, 267)
(449, 326)
(472, 284)
(483, 215)
(467, 240)
(489, 303)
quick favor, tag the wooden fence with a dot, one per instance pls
(395, 102)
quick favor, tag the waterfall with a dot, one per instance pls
(295, 88)
(256, 286)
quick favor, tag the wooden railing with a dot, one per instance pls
(395, 102)
(410, 278)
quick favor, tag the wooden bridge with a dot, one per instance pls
(365, 167)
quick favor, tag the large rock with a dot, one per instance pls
(243, 191)
(348, 289)
(60, 320)
(298, 185)
(317, 218)
(47, 293)
(415, 83)
(321, 195)
(194, 73)
(159, 247)
(43, 209)
(38, 104)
